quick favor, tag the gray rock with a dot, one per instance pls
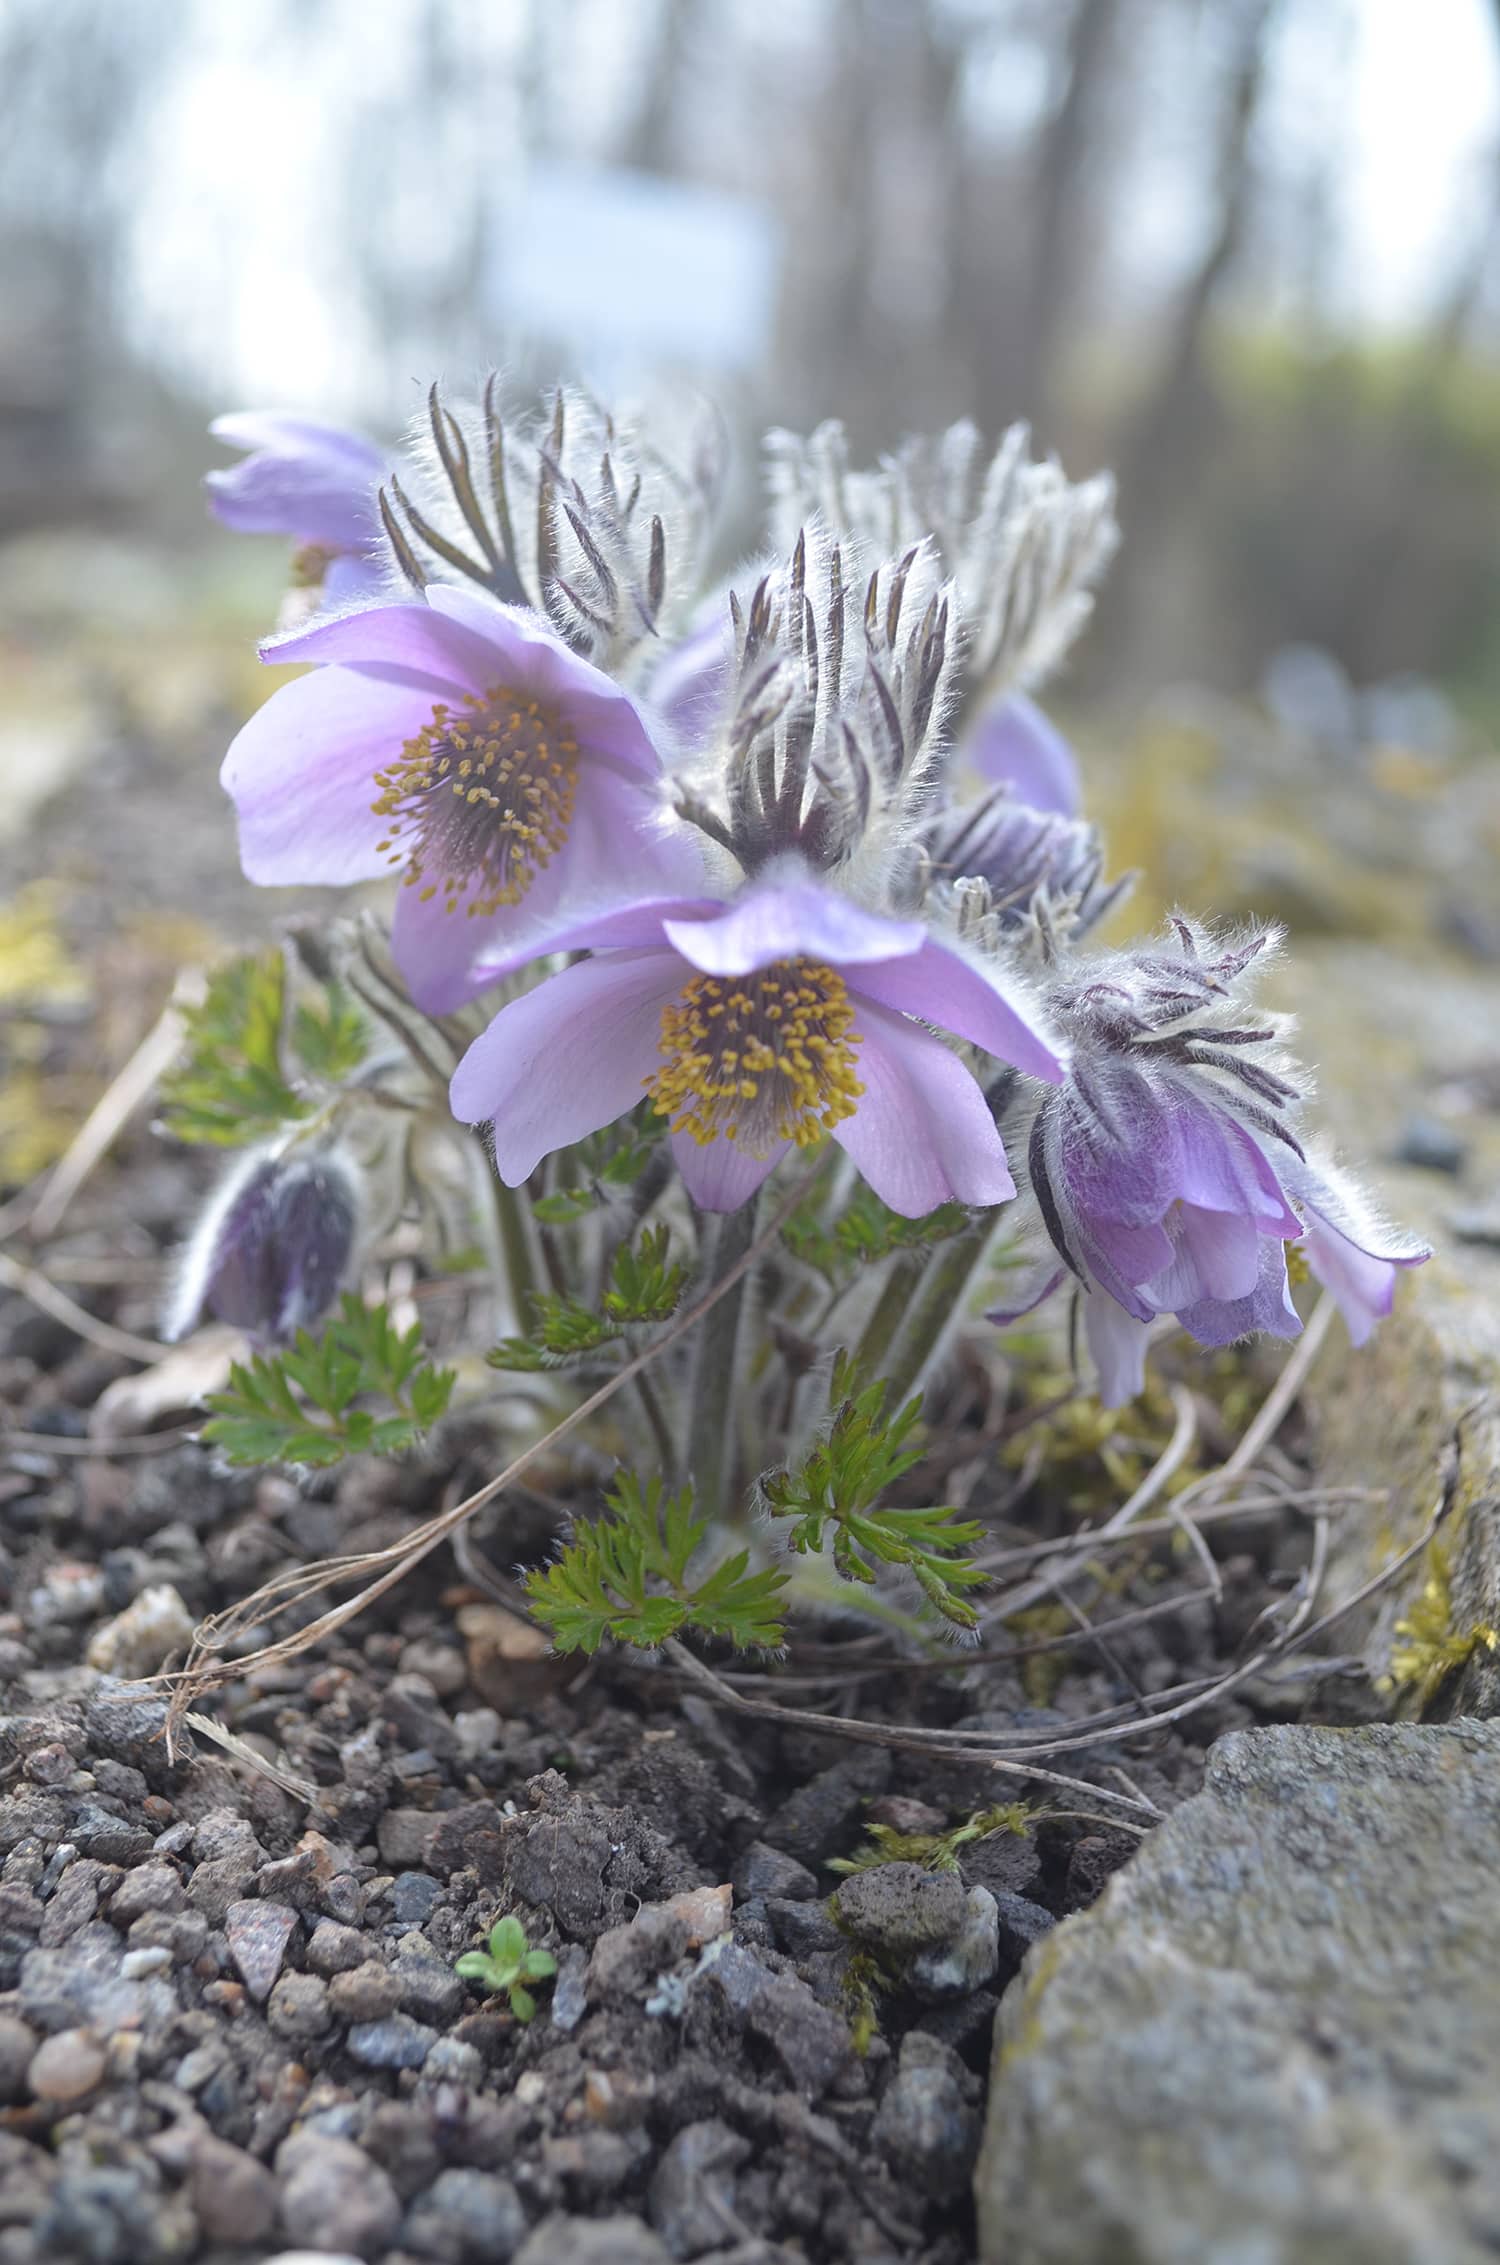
(450, 2061)
(429, 1987)
(395, 2042)
(150, 1887)
(298, 2008)
(334, 2197)
(822, 1818)
(1019, 1924)
(691, 2196)
(926, 2127)
(800, 1929)
(233, 2195)
(762, 1871)
(1275, 2036)
(258, 1936)
(570, 1998)
(1415, 1413)
(84, 1985)
(366, 1993)
(972, 1958)
(592, 2241)
(897, 1909)
(812, 2044)
(66, 2068)
(335, 1950)
(466, 2218)
(414, 1898)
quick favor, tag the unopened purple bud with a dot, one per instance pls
(273, 1248)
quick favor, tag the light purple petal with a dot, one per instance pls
(634, 926)
(301, 774)
(1013, 744)
(1215, 1255)
(311, 481)
(1139, 1254)
(532, 656)
(791, 920)
(688, 686)
(1269, 1306)
(1224, 1168)
(567, 1059)
(720, 1175)
(409, 639)
(1353, 1252)
(923, 1133)
(960, 995)
(1118, 1345)
(1117, 1150)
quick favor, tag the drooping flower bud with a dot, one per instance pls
(273, 1246)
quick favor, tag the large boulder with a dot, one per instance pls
(1274, 2040)
(1406, 1049)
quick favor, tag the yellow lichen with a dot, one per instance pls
(1429, 1648)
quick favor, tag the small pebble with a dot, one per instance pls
(143, 1637)
(970, 1960)
(298, 2008)
(334, 1949)
(136, 1964)
(414, 1898)
(450, 2061)
(258, 1936)
(395, 2042)
(66, 2067)
(365, 1993)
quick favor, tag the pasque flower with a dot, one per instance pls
(755, 1028)
(459, 742)
(1169, 1173)
(273, 1248)
(1012, 744)
(316, 484)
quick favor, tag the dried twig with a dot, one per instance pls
(50, 1299)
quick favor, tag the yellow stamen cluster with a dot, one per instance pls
(310, 565)
(759, 1058)
(481, 799)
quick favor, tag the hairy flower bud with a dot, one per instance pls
(273, 1246)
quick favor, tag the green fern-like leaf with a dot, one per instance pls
(232, 1084)
(645, 1286)
(627, 1577)
(833, 1501)
(865, 1232)
(299, 1406)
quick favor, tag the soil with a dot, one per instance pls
(229, 2020)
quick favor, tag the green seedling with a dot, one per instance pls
(507, 1966)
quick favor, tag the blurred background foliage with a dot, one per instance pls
(1243, 251)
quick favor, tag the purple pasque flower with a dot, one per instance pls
(1169, 1173)
(273, 1247)
(1023, 855)
(312, 482)
(460, 742)
(688, 688)
(756, 1027)
(1012, 744)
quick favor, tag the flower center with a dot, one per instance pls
(481, 799)
(762, 1058)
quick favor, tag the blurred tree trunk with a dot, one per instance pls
(1060, 202)
(1162, 456)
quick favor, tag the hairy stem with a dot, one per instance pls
(938, 1297)
(890, 1309)
(711, 1424)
